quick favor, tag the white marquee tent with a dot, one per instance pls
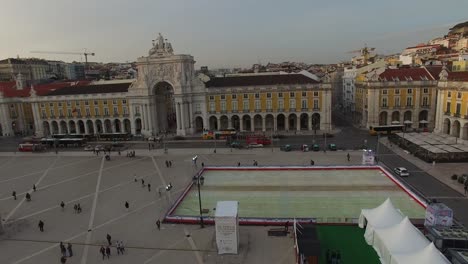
(385, 215)
(402, 238)
(428, 255)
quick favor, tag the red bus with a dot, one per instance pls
(258, 140)
(28, 147)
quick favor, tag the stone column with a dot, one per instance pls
(86, 128)
(309, 121)
(95, 127)
(191, 118)
(298, 123)
(179, 126)
(182, 116)
(275, 123)
(286, 123)
(252, 124)
(263, 124)
(241, 124)
(230, 122)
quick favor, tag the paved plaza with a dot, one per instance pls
(102, 187)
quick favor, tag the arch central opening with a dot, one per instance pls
(166, 119)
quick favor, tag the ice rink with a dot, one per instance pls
(325, 194)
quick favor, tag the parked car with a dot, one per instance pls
(99, 148)
(89, 148)
(316, 147)
(236, 145)
(286, 148)
(401, 171)
(255, 145)
(332, 147)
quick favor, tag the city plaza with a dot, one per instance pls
(102, 187)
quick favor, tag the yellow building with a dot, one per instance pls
(452, 106)
(403, 96)
(268, 102)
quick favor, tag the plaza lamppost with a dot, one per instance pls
(199, 180)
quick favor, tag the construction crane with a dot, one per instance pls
(86, 54)
(365, 52)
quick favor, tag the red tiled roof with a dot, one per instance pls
(9, 88)
(434, 70)
(404, 74)
(255, 80)
(91, 89)
(425, 46)
(458, 76)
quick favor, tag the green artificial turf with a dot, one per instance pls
(349, 240)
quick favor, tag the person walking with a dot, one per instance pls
(349, 157)
(108, 252)
(63, 260)
(102, 250)
(158, 224)
(203, 164)
(122, 247)
(41, 226)
(167, 164)
(170, 164)
(149, 187)
(34, 187)
(75, 207)
(238, 164)
(134, 178)
(62, 204)
(118, 247)
(70, 250)
(28, 197)
(14, 195)
(63, 251)
(108, 237)
(142, 183)
(127, 205)
(78, 209)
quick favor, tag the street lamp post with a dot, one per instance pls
(199, 180)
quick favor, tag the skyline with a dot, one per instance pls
(228, 34)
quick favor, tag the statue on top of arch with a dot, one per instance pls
(161, 47)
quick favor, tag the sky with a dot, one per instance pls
(221, 33)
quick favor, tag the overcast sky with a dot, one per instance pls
(222, 33)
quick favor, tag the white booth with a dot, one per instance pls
(227, 227)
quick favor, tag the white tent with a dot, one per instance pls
(385, 215)
(402, 238)
(428, 255)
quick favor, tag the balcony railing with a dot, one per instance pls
(116, 115)
(304, 109)
(292, 109)
(447, 113)
(52, 116)
(269, 110)
(235, 111)
(280, 109)
(223, 111)
(316, 108)
(211, 112)
(466, 116)
(245, 111)
(456, 115)
(197, 112)
(61, 116)
(258, 110)
(125, 115)
(137, 114)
